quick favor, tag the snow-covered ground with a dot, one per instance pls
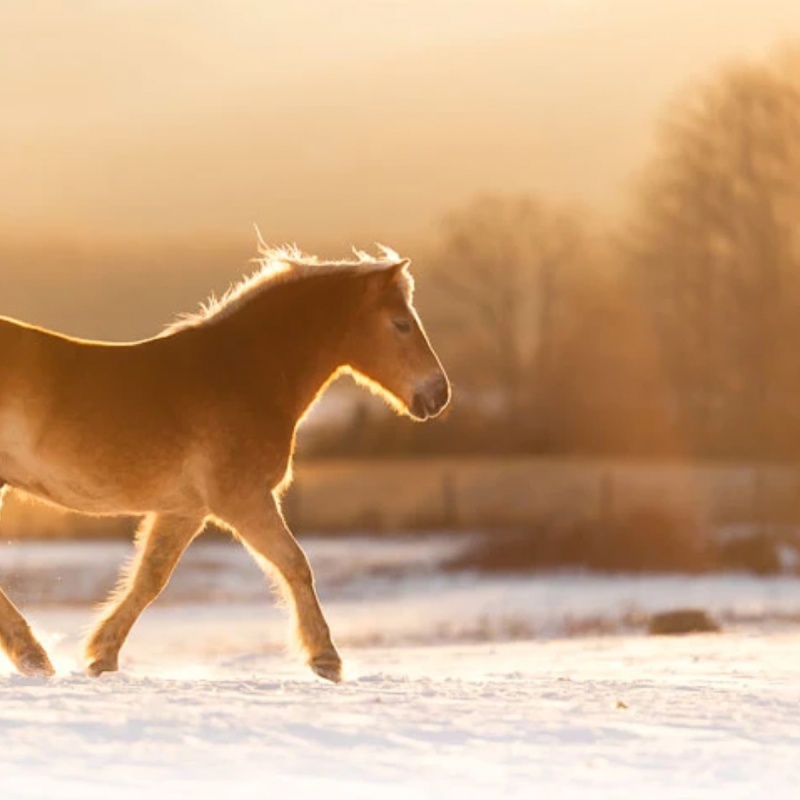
(458, 684)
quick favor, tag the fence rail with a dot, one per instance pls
(453, 493)
(456, 494)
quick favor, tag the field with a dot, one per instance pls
(458, 684)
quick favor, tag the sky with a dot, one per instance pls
(181, 118)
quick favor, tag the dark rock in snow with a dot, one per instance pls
(684, 620)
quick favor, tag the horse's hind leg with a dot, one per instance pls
(261, 527)
(161, 540)
(27, 655)
(16, 639)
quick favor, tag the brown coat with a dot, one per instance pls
(200, 422)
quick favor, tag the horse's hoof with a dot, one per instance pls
(97, 667)
(328, 666)
(35, 664)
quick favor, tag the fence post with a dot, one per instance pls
(449, 501)
(606, 500)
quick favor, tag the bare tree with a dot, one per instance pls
(714, 246)
(499, 270)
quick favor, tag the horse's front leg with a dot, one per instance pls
(261, 527)
(27, 655)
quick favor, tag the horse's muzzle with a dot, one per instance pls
(431, 398)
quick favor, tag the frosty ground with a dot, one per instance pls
(457, 684)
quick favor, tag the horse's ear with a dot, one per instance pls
(393, 271)
(383, 275)
(401, 266)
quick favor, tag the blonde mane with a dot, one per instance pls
(280, 265)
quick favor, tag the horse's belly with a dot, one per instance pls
(91, 490)
(87, 490)
(78, 491)
(49, 482)
(85, 480)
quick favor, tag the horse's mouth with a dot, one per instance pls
(430, 402)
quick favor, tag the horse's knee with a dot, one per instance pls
(152, 577)
(148, 582)
(295, 568)
(302, 571)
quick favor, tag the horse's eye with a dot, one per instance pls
(402, 325)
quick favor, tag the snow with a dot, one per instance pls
(440, 700)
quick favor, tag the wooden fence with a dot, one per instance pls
(452, 493)
(477, 493)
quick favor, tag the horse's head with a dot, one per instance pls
(388, 345)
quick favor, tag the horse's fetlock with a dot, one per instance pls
(98, 666)
(32, 660)
(101, 643)
(327, 665)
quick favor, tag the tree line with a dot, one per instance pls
(673, 332)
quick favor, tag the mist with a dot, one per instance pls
(130, 120)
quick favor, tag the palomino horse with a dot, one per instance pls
(199, 423)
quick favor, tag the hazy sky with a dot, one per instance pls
(151, 117)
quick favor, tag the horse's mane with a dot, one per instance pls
(281, 265)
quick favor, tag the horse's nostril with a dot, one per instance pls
(431, 399)
(437, 396)
(419, 408)
(441, 392)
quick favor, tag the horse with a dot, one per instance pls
(199, 422)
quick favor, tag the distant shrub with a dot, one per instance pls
(757, 553)
(647, 540)
(653, 540)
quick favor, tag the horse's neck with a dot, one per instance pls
(291, 337)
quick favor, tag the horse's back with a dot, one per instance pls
(83, 423)
(20, 348)
(44, 365)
